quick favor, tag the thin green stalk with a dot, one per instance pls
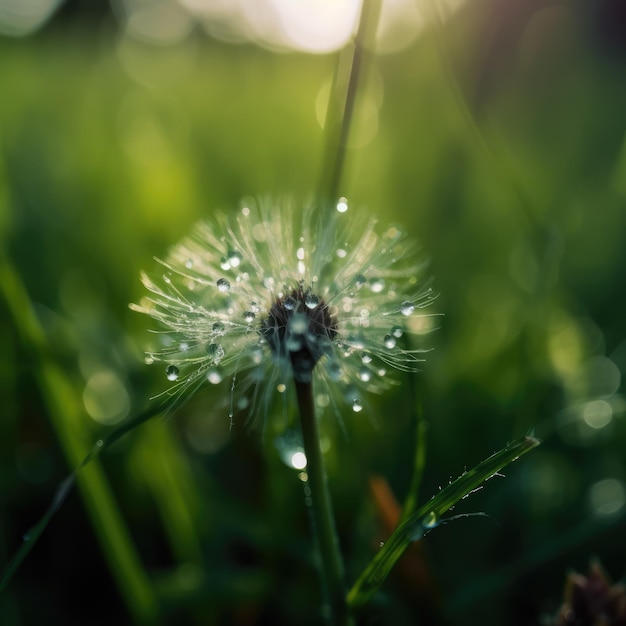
(331, 561)
(419, 458)
(342, 100)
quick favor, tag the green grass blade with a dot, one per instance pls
(66, 415)
(428, 516)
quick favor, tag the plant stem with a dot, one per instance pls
(331, 561)
(419, 458)
(340, 109)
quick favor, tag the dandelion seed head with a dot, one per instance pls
(274, 295)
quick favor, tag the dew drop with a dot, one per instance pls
(167, 279)
(183, 346)
(365, 374)
(397, 331)
(406, 308)
(224, 263)
(216, 352)
(214, 377)
(171, 372)
(382, 372)
(188, 264)
(148, 359)
(359, 280)
(249, 316)
(311, 300)
(342, 205)
(26, 537)
(300, 254)
(99, 443)
(377, 285)
(218, 328)
(289, 303)
(223, 285)
(234, 258)
(430, 520)
(281, 387)
(255, 307)
(357, 407)
(389, 341)
(341, 253)
(366, 357)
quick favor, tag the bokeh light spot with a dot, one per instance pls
(607, 496)
(598, 414)
(105, 398)
(298, 460)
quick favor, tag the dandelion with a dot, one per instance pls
(284, 297)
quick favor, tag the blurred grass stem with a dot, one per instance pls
(331, 562)
(60, 398)
(341, 102)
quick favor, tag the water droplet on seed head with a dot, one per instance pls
(171, 372)
(365, 374)
(406, 308)
(214, 377)
(389, 341)
(234, 258)
(311, 300)
(377, 285)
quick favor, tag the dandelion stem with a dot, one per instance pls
(331, 561)
(419, 458)
(342, 99)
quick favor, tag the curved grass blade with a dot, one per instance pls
(428, 516)
(33, 534)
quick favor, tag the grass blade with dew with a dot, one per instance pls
(428, 516)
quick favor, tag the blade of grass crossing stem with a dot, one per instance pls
(67, 419)
(428, 516)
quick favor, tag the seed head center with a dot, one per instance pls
(299, 326)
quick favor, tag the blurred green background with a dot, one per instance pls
(492, 131)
